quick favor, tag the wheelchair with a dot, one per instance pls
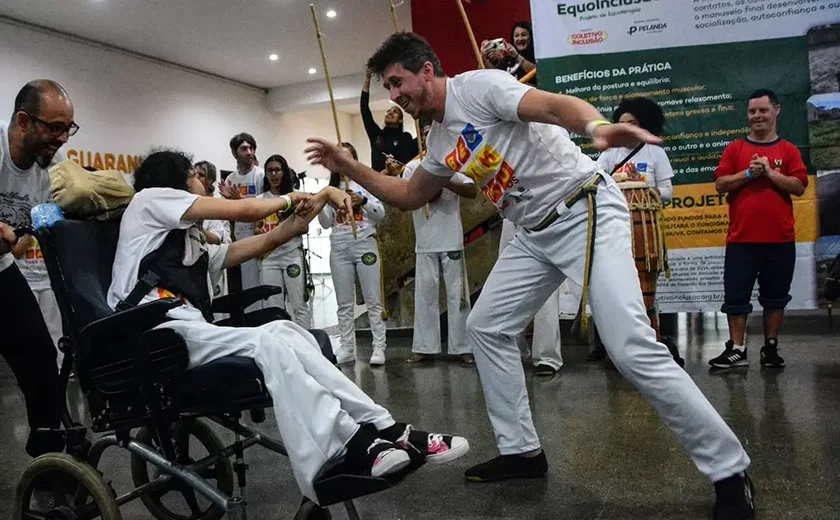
(142, 398)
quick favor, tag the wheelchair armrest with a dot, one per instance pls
(137, 319)
(237, 302)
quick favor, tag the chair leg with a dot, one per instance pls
(239, 465)
(352, 514)
(237, 510)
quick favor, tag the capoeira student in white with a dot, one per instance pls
(322, 415)
(505, 135)
(284, 267)
(440, 245)
(246, 182)
(351, 256)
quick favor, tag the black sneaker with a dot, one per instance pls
(509, 466)
(735, 499)
(770, 357)
(731, 357)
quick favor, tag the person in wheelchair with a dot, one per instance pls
(321, 414)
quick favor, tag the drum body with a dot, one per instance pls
(647, 240)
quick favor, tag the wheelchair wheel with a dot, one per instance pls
(177, 501)
(57, 486)
(311, 511)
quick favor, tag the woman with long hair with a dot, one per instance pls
(349, 257)
(284, 267)
(515, 56)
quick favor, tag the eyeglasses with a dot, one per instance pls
(272, 171)
(56, 128)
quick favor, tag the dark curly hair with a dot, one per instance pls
(647, 111)
(406, 49)
(290, 181)
(164, 169)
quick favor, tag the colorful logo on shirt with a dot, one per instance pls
(472, 137)
(641, 169)
(270, 222)
(247, 189)
(293, 271)
(486, 163)
(369, 258)
(34, 255)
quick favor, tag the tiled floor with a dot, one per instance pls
(609, 455)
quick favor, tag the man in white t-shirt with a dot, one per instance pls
(505, 135)
(439, 246)
(246, 182)
(41, 123)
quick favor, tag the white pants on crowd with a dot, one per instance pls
(52, 316)
(359, 257)
(529, 270)
(287, 272)
(545, 343)
(427, 302)
(299, 379)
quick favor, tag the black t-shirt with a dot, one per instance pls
(390, 141)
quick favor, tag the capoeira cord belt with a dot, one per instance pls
(588, 190)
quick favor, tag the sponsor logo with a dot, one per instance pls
(647, 27)
(472, 137)
(369, 258)
(293, 270)
(777, 163)
(495, 189)
(587, 38)
(600, 8)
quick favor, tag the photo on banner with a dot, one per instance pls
(699, 60)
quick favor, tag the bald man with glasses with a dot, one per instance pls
(41, 124)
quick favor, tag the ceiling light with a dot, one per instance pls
(273, 57)
(312, 70)
(331, 13)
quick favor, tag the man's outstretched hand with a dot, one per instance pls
(621, 134)
(333, 157)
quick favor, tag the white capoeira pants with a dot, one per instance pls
(249, 270)
(428, 267)
(528, 271)
(287, 272)
(318, 409)
(52, 317)
(360, 256)
(545, 343)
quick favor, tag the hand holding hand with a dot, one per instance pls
(340, 200)
(757, 167)
(301, 201)
(356, 199)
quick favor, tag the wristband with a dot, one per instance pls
(289, 204)
(590, 126)
(749, 175)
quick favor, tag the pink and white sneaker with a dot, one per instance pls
(436, 448)
(385, 458)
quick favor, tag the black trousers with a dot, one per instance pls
(27, 347)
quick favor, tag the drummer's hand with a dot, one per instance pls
(621, 135)
(7, 238)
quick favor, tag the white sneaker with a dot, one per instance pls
(345, 355)
(378, 357)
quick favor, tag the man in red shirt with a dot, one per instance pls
(759, 173)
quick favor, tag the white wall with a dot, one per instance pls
(126, 104)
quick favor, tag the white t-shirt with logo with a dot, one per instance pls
(271, 222)
(443, 230)
(147, 220)
(250, 185)
(524, 169)
(367, 217)
(651, 163)
(19, 191)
